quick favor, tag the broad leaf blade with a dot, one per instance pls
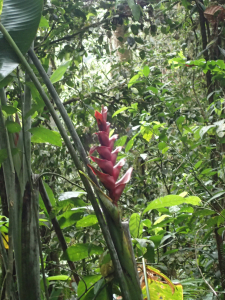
(87, 221)
(21, 19)
(80, 251)
(171, 200)
(44, 135)
(58, 74)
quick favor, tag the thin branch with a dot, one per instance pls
(55, 174)
(69, 37)
(196, 258)
(55, 224)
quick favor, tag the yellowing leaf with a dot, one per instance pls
(183, 194)
(5, 239)
(160, 219)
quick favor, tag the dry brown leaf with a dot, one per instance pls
(214, 14)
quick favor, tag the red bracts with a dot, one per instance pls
(107, 160)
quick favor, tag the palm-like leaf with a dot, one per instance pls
(21, 19)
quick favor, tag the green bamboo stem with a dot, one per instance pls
(9, 176)
(30, 243)
(104, 228)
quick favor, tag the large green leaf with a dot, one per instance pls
(69, 218)
(87, 221)
(81, 251)
(134, 225)
(58, 74)
(44, 135)
(21, 19)
(171, 200)
(89, 281)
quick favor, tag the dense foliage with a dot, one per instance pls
(159, 68)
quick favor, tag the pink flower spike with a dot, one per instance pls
(107, 127)
(104, 113)
(92, 150)
(126, 177)
(104, 152)
(117, 168)
(115, 153)
(101, 121)
(107, 180)
(119, 187)
(116, 193)
(112, 141)
(103, 138)
(105, 165)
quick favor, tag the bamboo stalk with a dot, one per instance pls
(9, 176)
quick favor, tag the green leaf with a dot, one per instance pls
(133, 80)
(171, 200)
(131, 3)
(142, 54)
(6, 80)
(134, 225)
(204, 212)
(35, 94)
(121, 141)
(10, 110)
(139, 40)
(3, 155)
(156, 240)
(120, 110)
(49, 193)
(80, 251)
(89, 280)
(146, 71)
(12, 126)
(136, 11)
(162, 145)
(134, 29)
(153, 89)
(1, 5)
(43, 135)
(59, 277)
(131, 143)
(69, 218)
(146, 223)
(21, 19)
(198, 164)
(55, 294)
(58, 74)
(180, 120)
(44, 22)
(87, 221)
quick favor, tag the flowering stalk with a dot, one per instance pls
(107, 160)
